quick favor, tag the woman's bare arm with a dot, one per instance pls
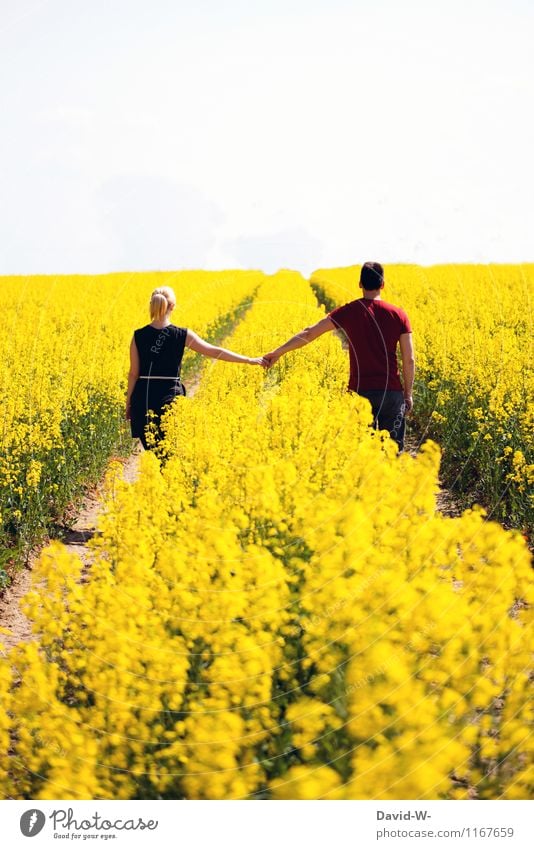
(133, 374)
(200, 346)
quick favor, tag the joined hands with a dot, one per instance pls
(266, 361)
(271, 358)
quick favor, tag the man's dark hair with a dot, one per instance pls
(371, 275)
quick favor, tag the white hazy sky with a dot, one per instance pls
(159, 134)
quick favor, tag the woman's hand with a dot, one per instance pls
(127, 411)
(257, 361)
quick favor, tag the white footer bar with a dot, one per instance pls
(269, 824)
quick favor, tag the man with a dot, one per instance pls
(373, 328)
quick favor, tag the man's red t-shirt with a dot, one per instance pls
(373, 328)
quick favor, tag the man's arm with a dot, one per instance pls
(309, 334)
(408, 368)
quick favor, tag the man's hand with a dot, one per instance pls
(258, 361)
(408, 405)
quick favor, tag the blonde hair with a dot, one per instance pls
(160, 302)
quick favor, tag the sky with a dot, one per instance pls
(174, 134)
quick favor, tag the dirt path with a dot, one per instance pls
(75, 539)
(445, 501)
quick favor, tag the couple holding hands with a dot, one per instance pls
(373, 328)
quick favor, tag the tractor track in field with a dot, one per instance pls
(446, 504)
(75, 538)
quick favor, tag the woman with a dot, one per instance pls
(156, 352)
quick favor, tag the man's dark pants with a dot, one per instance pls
(388, 412)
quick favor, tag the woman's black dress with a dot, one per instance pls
(160, 355)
